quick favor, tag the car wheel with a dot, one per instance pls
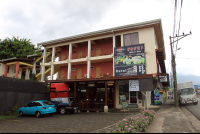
(37, 114)
(62, 110)
(21, 113)
(51, 114)
(71, 111)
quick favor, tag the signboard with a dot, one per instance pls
(156, 97)
(133, 85)
(163, 78)
(122, 97)
(129, 60)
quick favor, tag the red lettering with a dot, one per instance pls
(134, 48)
(138, 47)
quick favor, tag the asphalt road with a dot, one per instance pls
(194, 109)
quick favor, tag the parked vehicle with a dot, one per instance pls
(64, 104)
(186, 93)
(37, 108)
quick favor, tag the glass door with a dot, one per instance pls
(133, 97)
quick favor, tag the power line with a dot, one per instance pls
(179, 25)
(175, 7)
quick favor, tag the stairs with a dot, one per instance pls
(47, 73)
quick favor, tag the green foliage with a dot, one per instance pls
(8, 113)
(32, 77)
(135, 125)
(16, 47)
(15, 109)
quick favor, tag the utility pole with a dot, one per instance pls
(173, 61)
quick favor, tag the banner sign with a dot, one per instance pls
(129, 60)
(163, 78)
(133, 85)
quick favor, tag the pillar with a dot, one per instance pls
(53, 54)
(122, 40)
(27, 73)
(6, 70)
(17, 69)
(43, 67)
(114, 45)
(69, 71)
(106, 103)
(89, 62)
(52, 72)
(34, 67)
(88, 68)
(70, 52)
(114, 95)
(74, 89)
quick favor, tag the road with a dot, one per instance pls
(194, 109)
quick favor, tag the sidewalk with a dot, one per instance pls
(171, 119)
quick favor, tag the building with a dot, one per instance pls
(13, 67)
(106, 68)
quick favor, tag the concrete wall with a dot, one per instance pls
(2, 69)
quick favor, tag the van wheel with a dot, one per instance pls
(37, 114)
(62, 110)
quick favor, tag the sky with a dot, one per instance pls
(45, 20)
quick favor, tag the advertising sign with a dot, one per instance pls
(129, 60)
(163, 78)
(156, 97)
(133, 85)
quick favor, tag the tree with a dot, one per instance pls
(16, 47)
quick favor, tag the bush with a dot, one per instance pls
(135, 125)
(15, 109)
(8, 113)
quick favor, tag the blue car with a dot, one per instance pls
(37, 108)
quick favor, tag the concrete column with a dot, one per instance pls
(89, 48)
(52, 72)
(17, 69)
(27, 73)
(122, 40)
(114, 45)
(6, 70)
(88, 68)
(106, 100)
(43, 71)
(44, 55)
(43, 67)
(69, 71)
(70, 52)
(53, 54)
(74, 89)
(34, 68)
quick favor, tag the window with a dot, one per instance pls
(31, 104)
(131, 39)
(47, 103)
(73, 69)
(92, 67)
(74, 52)
(92, 48)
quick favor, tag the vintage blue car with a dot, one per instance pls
(37, 108)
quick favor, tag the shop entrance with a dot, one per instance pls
(133, 97)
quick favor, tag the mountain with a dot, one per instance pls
(186, 78)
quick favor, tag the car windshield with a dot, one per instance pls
(47, 103)
(187, 91)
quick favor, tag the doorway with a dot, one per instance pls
(133, 97)
(79, 54)
(79, 72)
(98, 71)
(98, 51)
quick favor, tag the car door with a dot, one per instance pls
(26, 108)
(31, 108)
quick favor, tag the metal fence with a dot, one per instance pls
(19, 92)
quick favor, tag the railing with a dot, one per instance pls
(104, 51)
